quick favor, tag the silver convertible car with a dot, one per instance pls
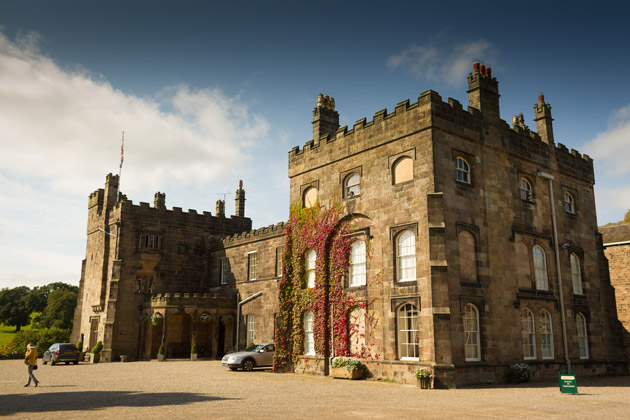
(256, 355)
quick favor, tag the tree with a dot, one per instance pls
(59, 311)
(14, 308)
(38, 297)
(627, 217)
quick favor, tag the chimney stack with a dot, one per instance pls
(325, 118)
(483, 91)
(220, 208)
(543, 119)
(240, 200)
(159, 200)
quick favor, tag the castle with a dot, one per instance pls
(474, 246)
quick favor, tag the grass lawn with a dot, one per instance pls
(7, 333)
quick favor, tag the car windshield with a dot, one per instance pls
(255, 348)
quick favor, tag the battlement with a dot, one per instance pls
(255, 235)
(96, 198)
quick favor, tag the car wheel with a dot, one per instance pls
(44, 362)
(76, 362)
(248, 365)
(67, 363)
(233, 368)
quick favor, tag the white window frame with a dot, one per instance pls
(576, 274)
(582, 335)
(252, 265)
(352, 185)
(462, 170)
(546, 335)
(309, 338)
(358, 264)
(526, 190)
(528, 334)
(472, 342)
(407, 324)
(540, 268)
(406, 256)
(569, 203)
(224, 270)
(310, 263)
(251, 323)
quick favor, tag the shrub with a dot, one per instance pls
(97, 348)
(193, 349)
(519, 372)
(161, 349)
(43, 339)
(423, 373)
(349, 363)
(80, 345)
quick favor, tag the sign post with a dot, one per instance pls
(568, 383)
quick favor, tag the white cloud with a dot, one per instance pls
(611, 149)
(447, 64)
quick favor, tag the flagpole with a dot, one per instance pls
(122, 158)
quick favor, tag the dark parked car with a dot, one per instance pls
(61, 352)
(256, 355)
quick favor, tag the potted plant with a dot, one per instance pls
(423, 378)
(206, 318)
(161, 353)
(156, 318)
(518, 372)
(347, 368)
(193, 352)
(95, 353)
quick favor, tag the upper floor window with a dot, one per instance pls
(402, 170)
(471, 333)
(569, 203)
(224, 270)
(252, 257)
(576, 274)
(310, 259)
(309, 339)
(462, 170)
(546, 335)
(310, 196)
(528, 334)
(582, 336)
(150, 241)
(526, 190)
(357, 264)
(406, 256)
(407, 318)
(540, 268)
(352, 185)
(279, 252)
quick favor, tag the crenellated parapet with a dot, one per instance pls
(255, 235)
(574, 164)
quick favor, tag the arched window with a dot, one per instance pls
(528, 333)
(546, 335)
(309, 267)
(569, 203)
(526, 190)
(408, 332)
(471, 333)
(523, 266)
(576, 274)
(462, 170)
(310, 196)
(357, 263)
(352, 185)
(402, 170)
(467, 256)
(406, 256)
(540, 268)
(309, 340)
(582, 336)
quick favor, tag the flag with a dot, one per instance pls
(122, 150)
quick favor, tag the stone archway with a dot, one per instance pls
(154, 336)
(179, 335)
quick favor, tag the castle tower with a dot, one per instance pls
(220, 208)
(111, 189)
(325, 118)
(240, 200)
(543, 120)
(483, 91)
(159, 200)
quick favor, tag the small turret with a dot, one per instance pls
(240, 200)
(483, 91)
(220, 208)
(543, 119)
(159, 200)
(325, 118)
(111, 189)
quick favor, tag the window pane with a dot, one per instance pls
(546, 335)
(576, 274)
(309, 341)
(528, 334)
(582, 336)
(406, 256)
(540, 269)
(311, 258)
(408, 332)
(353, 185)
(471, 333)
(357, 263)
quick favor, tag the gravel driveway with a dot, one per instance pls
(203, 389)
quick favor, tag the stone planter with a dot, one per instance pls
(94, 357)
(193, 356)
(124, 358)
(344, 373)
(160, 357)
(423, 382)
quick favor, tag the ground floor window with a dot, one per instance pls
(407, 318)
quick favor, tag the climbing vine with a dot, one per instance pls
(324, 231)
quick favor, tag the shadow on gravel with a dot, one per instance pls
(89, 400)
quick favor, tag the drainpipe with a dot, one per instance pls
(238, 313)
(556, 247)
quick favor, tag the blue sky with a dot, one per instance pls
(212, 92)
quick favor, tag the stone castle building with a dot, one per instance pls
(475, 246)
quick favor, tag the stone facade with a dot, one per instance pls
(498, 223)
(616, 239)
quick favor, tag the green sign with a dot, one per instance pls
(568, 384)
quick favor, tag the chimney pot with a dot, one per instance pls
(488, 72)
(541, 99)
(476, 67)
(482, 69)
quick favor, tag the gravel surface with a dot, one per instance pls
(204, 389)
